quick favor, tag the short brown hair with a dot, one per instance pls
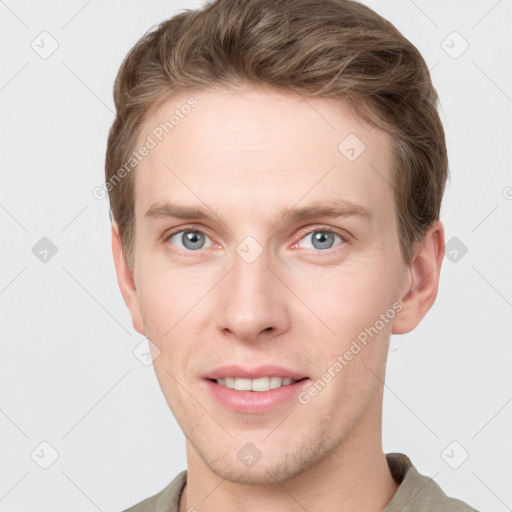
(337, 49)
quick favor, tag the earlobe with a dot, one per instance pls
(423, 280)
(125, 280)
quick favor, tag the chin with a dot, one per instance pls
(268, 470)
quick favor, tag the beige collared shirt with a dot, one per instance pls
(417, 493)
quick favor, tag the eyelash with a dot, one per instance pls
(184, 229)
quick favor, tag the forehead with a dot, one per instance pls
(234, 149)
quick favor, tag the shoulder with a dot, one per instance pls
(167, 500)
(430, 497)
(418, 492)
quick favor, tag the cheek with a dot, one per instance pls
(356, 303)
(347, 298)
(158, 305)
(176, 309)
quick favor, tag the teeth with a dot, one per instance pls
(260, 384)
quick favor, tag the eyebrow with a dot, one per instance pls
(334, 209)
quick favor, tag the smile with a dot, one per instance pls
(260, 384)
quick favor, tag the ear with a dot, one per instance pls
(126, 281)
(420, 288)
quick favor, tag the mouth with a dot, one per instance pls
(254, 390)
(256, 396)
(258, 385)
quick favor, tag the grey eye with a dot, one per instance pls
(321, 239)
(189, 240)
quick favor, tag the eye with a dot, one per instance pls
(190, 240)
(321, 239)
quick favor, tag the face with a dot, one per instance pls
(239, 261)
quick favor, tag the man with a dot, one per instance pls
(275, 173)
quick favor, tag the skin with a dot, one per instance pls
(246, 154)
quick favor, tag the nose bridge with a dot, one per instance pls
(251, 299)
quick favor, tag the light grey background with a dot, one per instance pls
(68, 373)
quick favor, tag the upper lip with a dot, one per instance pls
(253, 373)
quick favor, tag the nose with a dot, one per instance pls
(252, 302)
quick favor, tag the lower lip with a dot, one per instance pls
(254, 402)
